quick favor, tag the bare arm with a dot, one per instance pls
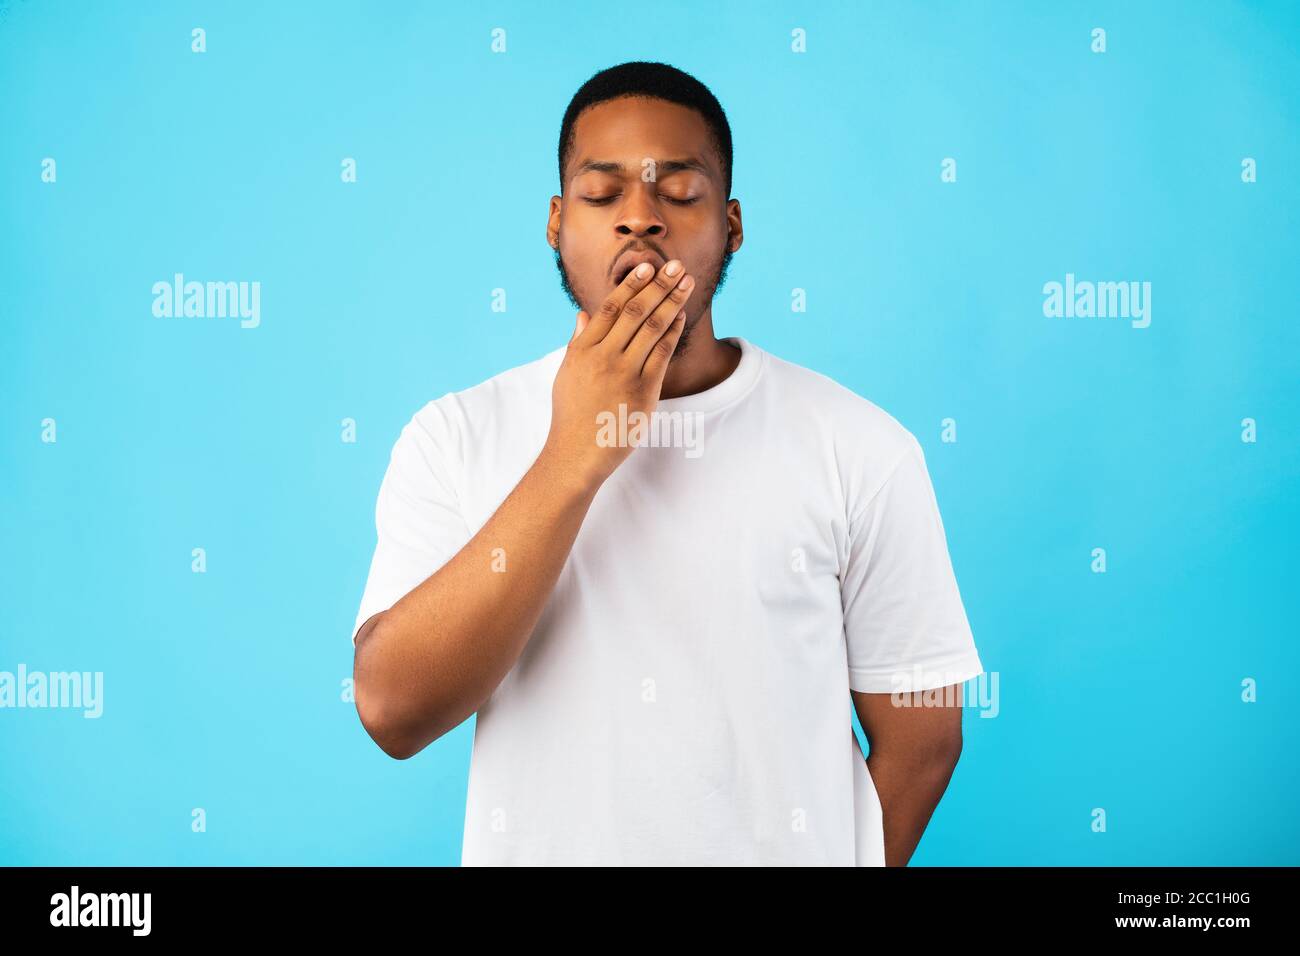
(432, 659)
(427, 663)
(914, 751)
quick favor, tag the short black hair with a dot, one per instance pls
(659, 80)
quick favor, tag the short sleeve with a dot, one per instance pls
(418, 521)
(904, 623)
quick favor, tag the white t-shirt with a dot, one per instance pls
(684, 698)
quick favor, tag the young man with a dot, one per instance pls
(660, 618)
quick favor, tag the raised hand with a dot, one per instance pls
(619, 356)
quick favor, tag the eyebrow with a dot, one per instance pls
(662, 167)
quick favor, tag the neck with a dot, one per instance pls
(705, 363)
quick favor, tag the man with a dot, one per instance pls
(656, 564)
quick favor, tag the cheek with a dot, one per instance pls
(705, 259)
(578, 257)
(708, 239)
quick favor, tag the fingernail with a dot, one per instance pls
(686, 283)
(673, 268)
(643, 270)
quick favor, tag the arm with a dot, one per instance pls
(914, 750)
(428, 662)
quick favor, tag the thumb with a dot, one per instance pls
(583, 318)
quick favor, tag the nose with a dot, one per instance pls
(639, 214)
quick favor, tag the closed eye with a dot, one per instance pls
(606, 200)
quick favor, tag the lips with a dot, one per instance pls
(630, 260)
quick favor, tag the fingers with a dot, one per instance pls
(656, 363)
(657, 323)
(600, 323)
(643, 306)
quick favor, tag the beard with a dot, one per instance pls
(706, 289)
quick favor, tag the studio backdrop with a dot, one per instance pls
(1056, 241)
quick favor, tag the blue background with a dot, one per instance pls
(223, 690)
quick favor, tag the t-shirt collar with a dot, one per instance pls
(730, 390)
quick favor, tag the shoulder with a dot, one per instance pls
(862, 443)
(517, 390)
(853, 422)
(509, 399)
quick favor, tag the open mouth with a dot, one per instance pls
(625, 268)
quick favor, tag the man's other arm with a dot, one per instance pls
(913, 752)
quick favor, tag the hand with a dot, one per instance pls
(618, 357)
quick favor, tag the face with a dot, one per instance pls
(642, 178)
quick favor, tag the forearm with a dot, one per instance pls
(434, 657)
(909, 786)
